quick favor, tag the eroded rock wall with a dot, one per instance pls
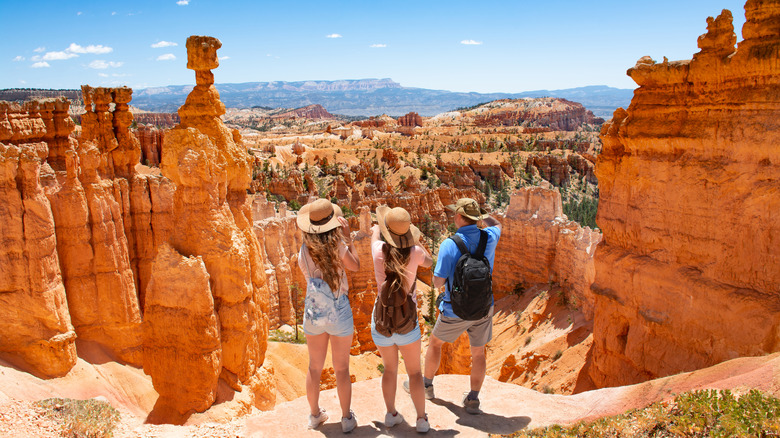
(688, 273)
(540, 245)
(35, 325)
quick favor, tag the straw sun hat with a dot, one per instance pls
(318, 217)
(469, 208)
(395, 224)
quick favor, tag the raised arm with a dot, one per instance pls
(490, 221)
(350, 260)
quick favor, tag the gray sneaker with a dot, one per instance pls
(422, 425)
(347, 424)
(428, 390)
(471, 406)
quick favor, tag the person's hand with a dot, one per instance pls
(345, 230)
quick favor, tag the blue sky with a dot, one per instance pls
(482, 46)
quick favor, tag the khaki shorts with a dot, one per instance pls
(480, 331)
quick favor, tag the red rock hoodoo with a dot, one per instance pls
(688, 273)
(211, 171)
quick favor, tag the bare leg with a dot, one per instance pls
(318, 349)
(340, 346)
(389, 375)
(433, 356)
(478, 367)
(411, 355)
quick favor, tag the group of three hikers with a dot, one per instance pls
(464, 265)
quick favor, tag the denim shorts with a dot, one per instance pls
(335, 322)
(394, 339)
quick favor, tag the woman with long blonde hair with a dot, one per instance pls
(327, 252)
(394, 324)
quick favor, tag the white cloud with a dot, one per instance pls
(113, 13)
(377, 46)
(471, 42)
(19, 58)
(222, 58)
(78, 13)
(166, 57)
(183, 2)
(22, 81)
(102, 75)
(40, 64)
(58, 56)
(99, 64)
(333, 35)
(40, 49)
(97, 50)
(159, 44)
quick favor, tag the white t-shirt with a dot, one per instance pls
(416, 258)
(305, 262)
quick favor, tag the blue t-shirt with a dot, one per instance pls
(449, 255)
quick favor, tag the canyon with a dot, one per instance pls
(145, 248)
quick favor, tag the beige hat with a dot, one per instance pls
(319, 217)
(396, 226)
(469, 208)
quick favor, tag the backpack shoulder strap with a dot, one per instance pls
(483, 238)
(461, 246)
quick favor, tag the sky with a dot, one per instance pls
(466, 46)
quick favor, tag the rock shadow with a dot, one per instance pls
(163, 413)
(377, 429)
(485, 421)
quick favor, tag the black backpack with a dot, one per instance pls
(471, 292)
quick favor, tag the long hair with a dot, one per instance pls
(324, 251)
(396, 260)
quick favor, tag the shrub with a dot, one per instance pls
(282, 336)
(83, 418)
(707, 413)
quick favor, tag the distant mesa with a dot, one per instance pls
(357, 97)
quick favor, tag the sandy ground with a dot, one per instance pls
(506, 407)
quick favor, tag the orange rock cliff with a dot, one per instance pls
(84, 230)
(688, 272)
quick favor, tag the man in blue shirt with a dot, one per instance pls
(449, 326)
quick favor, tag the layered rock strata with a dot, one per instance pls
(540, 245)
(94, 255)
(37, 334)
(110, 129)
(695, 154)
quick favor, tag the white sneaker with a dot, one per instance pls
(320, 418)
(422, 424)
(347, 424)
(391, 420)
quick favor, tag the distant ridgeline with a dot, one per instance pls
(24, 94)
(359, 97)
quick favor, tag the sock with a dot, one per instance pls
(473, 395)
(427, 381)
